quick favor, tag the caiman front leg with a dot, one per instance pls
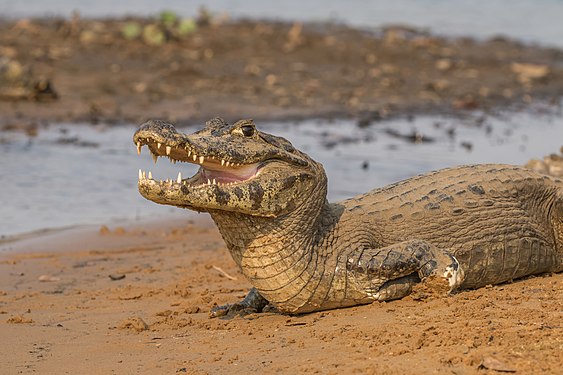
(390, 272)
(253, 302)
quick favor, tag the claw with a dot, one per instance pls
(252, 303)
(454, 274)
(232, 309)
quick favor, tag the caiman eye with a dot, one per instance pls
(247, 130)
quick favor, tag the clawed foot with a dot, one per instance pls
(252, 303)
(231, 309)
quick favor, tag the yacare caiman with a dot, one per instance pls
(456, 228)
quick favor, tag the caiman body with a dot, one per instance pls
(457, 228)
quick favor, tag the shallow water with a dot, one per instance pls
(528, 20)
(77, 174)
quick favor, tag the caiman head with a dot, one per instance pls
(241, 169)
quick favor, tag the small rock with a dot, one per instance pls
(18, 319)
(116, 277)
(438, 85)
(135, 323)
(13, 71)
(294, 37)
(87, 37)
(271, 80)
(492, 363)
(48, 278)
(465, 102)
(394, 35)
(526, 73)
(443, 64)
(119, 231)
(467, 145)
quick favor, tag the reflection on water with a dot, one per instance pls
(75, 174)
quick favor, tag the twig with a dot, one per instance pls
(224, 273)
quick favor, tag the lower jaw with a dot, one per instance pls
(200, 180)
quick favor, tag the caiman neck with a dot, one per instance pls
(279, 256)
(255, 241)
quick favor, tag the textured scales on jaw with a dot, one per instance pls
(232, 159)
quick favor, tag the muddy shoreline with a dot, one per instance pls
(83, 70)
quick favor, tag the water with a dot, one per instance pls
(527, 20)
(80, 174)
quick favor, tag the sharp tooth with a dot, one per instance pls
(144, 175)
(208, 182)
(168, 149)
(222, 162)
(189, 153)
(214, 182)
(226, 163)
(138, 148)
(201, 159)
(140, 175)
(154, 157)
(195, 157)
(150, 175)
(179, 180)
(174, 161)
(158, 145)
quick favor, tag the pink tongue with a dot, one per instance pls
(231, 175)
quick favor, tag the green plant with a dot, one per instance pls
(154, 35)
(186, 26)
(168, 18)
(131, 30)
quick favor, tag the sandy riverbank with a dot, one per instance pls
(141, 306)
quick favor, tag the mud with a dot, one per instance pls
(87, 70)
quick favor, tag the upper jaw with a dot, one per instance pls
(177, 149)
(201, 147)
(221, 162)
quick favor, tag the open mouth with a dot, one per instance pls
(213, 170)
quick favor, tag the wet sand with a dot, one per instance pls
(141, 306)
(135, 299)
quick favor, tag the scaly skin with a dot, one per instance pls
(457, 228)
